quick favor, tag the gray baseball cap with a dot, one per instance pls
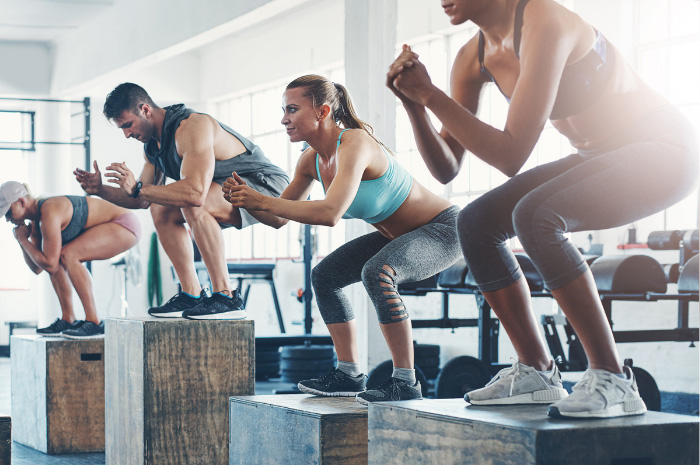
(10, 192)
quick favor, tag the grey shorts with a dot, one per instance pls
(271, 185)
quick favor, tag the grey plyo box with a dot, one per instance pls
(449, 431)
(297, 429)
(58, 393)
(168, 382)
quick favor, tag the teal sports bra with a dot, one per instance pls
(377, 199)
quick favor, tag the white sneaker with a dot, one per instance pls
(601, 394)
(519, 384)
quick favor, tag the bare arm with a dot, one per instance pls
(194, 141)
(35, 239)
(545, 48)
(442, 153)
(298, 189)
(352, 160)
(48, 256)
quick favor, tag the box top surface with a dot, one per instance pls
(53, 339)
(308, 404)
(530, 417)
(165, 321)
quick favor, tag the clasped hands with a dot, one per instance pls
(408, 78)
(240, 195)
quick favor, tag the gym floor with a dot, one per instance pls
(22, 455)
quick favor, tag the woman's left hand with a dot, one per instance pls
(412, 79)
(241, 195)
(22, 231)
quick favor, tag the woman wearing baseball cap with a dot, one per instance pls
(57, 234)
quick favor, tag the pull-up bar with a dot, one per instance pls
(86, 139)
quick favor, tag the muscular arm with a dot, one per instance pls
(194, 141)
(149, 176)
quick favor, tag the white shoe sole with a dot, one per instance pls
(548, 396)
(233, 315)
(308, 390)
(167, 315)
(623, 409)
(96, 336)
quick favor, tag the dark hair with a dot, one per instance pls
(126, 97)
(321, 90)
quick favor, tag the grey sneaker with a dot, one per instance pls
(335, 383)
(55, 328)
(391, 390)
(601, 394)
(218, 307)
(519, 384)
(174, 307)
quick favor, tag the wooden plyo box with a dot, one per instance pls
(298, 429)
(5, 440)
(58, 394)
(168, 382)
(449, 431)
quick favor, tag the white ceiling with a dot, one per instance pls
(46, 20)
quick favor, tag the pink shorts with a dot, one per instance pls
(131, 222)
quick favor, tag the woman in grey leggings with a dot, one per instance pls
(636, 155)
(415, 238)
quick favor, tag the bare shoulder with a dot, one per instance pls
(549, 19)
(195, 124)
(466, 69)
(307, 163)
(356, 139)
(56, 208)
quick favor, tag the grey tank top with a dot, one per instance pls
(76, 226)
(167, 160)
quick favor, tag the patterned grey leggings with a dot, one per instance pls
(381, 264)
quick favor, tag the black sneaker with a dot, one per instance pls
(389, 390)
(335, 383)
(174, 307)
(55, 328)
(87, 330)
(218, 307)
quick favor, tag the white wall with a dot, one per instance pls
(26, 68)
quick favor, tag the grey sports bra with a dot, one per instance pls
(581, 82)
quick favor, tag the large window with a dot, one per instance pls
(667, 50)
(257, 116)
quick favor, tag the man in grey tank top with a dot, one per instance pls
(198, 153)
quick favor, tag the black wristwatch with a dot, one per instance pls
(137, 189)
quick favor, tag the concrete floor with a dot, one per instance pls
(22, 455)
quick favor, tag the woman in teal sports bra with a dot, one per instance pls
(63, 232)
(416, 236)
(635, 155)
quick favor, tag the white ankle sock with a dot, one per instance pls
(349, 368)
(406, 374)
